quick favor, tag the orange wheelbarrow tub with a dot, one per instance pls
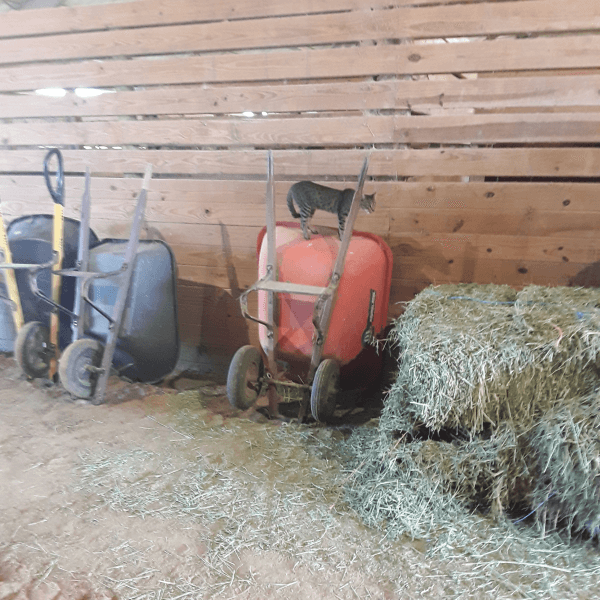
(366, 278)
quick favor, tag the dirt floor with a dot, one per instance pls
(169, 494)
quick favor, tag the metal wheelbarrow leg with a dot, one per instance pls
(83, 257)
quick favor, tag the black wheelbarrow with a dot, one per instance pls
(33, 240)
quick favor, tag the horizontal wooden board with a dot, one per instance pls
(434, 250)
(160, 12)
(466, 270)
(220, 332)
(210, 317)
(423, 96)
(524, 222)
(437, 250)
(223, 237)
(294, 164)
(441, 255)
(213, 320)
(213, 194)
(206, 312)
(324, 131)
(503, 54)
(309, 30)
(191, 213)
(209, 201)
(459, 20)
(556, 236)
(422, 222)
(207, 131)
(298, 30)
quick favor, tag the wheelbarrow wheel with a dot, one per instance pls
(77, 367)
(325, 389)
(32, 349)
(243, 379)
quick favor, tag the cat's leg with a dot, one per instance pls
(304, 221)
(308, 220)
(341, 225)
(312, 214)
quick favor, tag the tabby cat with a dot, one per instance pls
(310, 196)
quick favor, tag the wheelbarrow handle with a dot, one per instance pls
(247, 315)
(58, 192)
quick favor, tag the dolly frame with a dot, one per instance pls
(324, 305)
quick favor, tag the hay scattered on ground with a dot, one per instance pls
(288, 499)
(389, 492)
(288, 496)
(413, 498)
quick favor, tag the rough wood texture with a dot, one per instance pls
(167, 12)
(572, 162)
(481, 118)
(330, 131)
(564, 52)
(421, 96)
(539, 16)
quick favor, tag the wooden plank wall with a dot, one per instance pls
(481, 116)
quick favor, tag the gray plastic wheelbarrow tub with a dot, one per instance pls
(148, 342)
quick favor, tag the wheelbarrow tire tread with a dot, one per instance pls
(31, 349)
(245, 370)
(325, 389)
(73, 367)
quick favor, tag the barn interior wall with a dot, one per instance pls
(481, 118)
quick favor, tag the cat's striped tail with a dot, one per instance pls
(290, 203)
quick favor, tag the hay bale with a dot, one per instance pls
(473, 355)
(412, 487)
(567, 442)
(490, 472)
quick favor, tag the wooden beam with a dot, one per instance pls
(303, 164)
(420, 96)
(309, 30)
(166, 12)
(236, 201)
(465, 270)
(564, 52)
(329, 131)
